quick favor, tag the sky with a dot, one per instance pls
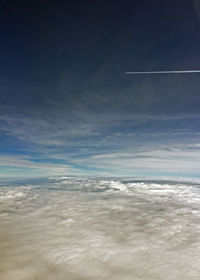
(66, 106)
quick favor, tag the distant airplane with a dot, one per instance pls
(162, 72)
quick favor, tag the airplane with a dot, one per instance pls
(161, 72)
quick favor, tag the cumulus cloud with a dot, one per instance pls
(79, 228)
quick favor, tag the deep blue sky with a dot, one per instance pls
(66, 106)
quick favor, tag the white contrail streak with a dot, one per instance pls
(162, 72)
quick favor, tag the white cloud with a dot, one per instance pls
(171, 161)
(24, 162)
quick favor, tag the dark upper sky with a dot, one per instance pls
(66, 106)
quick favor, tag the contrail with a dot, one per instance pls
(162, 72)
